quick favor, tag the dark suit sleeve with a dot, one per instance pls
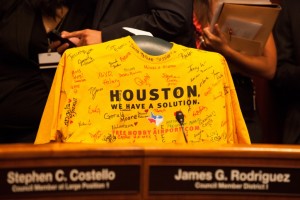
(286, 34)
(168, 19)
(7, 7)
(80, 15)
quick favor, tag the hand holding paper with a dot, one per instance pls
(246, 23)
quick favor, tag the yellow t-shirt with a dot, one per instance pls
(115, 93)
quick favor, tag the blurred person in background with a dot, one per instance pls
(287, 78)
(170, 20)
(243, 67)
(24, 87)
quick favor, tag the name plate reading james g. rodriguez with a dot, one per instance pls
(75, 180)
(229, 180)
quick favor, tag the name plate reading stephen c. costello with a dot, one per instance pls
(75, 180)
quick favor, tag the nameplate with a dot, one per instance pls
(229, 180)
(48, 60)
(70, 180)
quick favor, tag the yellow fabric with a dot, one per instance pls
(115, 93)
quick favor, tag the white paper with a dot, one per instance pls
(137, 31)
(241, 28)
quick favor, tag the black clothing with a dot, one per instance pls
(287, 78)
(170, 20)
(246, 95)
(24, 87)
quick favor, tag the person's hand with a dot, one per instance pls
(86, 36)
(215, 41)
(54, 45)
(60, 48)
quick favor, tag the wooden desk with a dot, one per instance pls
(80, 171)
(70, 171)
